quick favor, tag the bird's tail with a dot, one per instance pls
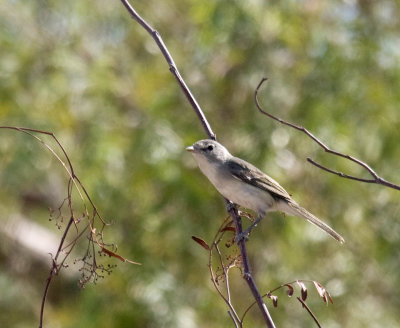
(293, 208)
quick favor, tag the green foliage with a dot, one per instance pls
(87, 72)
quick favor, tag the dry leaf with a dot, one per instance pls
(303, 290)
(274, 299)
(113, 254)
(290, 290)
(228, 229)
(323, 292)
(201, 242)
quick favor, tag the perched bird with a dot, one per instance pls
(245, 185)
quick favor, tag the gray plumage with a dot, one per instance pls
(247, 186)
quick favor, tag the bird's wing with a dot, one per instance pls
(248, 173)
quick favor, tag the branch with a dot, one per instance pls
(376, 179)
(247, 269)
(172, 67)
(309, 311)
(233, 211)
(53, 271)
(323, 293)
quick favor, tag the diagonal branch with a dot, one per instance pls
(376, 179)
(172, 67)
(232, 211)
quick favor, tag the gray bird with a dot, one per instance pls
(245, 185)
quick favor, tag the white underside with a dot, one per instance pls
(236, 190)
(254, 198)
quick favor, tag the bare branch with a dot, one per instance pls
(172, 67)
(247, 275)
(376, 179)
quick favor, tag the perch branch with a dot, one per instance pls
(247, 275)
(233, 211)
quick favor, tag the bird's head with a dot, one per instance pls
(209, 149)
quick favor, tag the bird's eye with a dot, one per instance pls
(210, 148)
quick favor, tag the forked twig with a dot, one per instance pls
(376, 179)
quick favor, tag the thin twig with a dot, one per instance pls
(53, 271)
(376, 179)
(233, 319)
(225, 270)
(227, 299)
(309, 311)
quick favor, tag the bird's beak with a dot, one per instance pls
(190, 149)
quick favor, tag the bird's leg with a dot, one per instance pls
(230, 206)
(245, 234)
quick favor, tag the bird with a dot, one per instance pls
(245, 185)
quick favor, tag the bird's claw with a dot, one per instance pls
(242, 236)
(245, 234)
(230, 206)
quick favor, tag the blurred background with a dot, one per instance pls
(87, 72)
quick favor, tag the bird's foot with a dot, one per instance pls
(245, 234)
(242, 236)
(230, 206)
